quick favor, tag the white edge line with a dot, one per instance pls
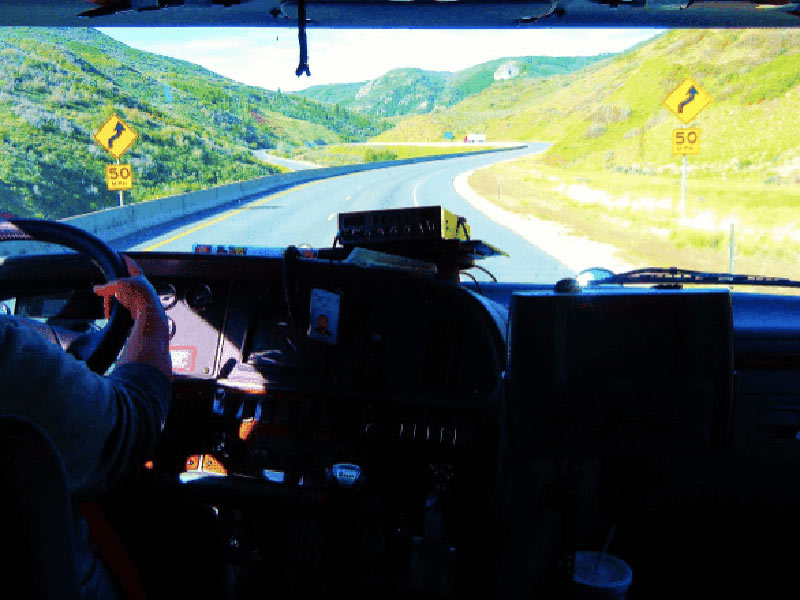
(416, 202)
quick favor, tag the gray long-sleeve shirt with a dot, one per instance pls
(101, 425)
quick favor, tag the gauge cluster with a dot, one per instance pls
(167, 294)
(195, 313)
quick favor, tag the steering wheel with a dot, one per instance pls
(99, 350)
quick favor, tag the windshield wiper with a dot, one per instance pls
(673, 276)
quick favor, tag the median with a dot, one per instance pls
(353, 154)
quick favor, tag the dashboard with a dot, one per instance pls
(402, 362)
(411, 420)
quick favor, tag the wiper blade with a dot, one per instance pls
(674, 275)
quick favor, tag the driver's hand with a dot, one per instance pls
(134, 293)
(148, 342)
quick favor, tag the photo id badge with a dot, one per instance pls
(323, 324)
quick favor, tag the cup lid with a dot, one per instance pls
(610, 572)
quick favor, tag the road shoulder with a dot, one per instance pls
(574, 251)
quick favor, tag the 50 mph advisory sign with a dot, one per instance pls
(685, 102)
(686, 141)
(119, 177)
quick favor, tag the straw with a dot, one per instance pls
(605, 547)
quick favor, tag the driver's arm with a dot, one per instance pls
(101, 425)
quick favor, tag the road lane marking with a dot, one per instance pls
(227, 215)
(414, 193)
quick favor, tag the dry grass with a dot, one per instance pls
(640, 215)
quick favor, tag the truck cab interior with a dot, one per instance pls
(338, 430)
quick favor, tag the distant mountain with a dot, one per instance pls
(58, 86)
(471, 81)
(398, 92)
(336, 93)
(415, 91)
(611, 115)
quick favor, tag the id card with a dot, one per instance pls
(323, 323)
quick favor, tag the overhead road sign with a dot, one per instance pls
(119, 177)
(116, 136)
(686, 141)
(687, 100)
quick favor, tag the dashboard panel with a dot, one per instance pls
(390, 405)
(330, 390)
(409, 372)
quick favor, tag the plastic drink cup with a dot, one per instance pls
(600, 576)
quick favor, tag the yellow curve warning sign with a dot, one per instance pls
(687, 100)
(116, 136)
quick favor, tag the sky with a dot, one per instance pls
(268, 57)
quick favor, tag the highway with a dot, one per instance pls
(306, 214)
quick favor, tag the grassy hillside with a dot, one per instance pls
(473, 80)
(334, 93)
(58, 86)
(398, 92)
(610, 173)
(415, 91)
(611, 114)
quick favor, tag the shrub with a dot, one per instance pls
(376, 156)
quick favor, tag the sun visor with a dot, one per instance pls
(429, 14)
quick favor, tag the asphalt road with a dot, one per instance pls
(307, 215)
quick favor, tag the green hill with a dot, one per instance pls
(398, 92)
(610, 115)
(334, 93)
(610, 174)
(415, 91)
(58, 86)
(471, 81)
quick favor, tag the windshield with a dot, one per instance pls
(565, 149)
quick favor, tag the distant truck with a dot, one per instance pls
(477, 138)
